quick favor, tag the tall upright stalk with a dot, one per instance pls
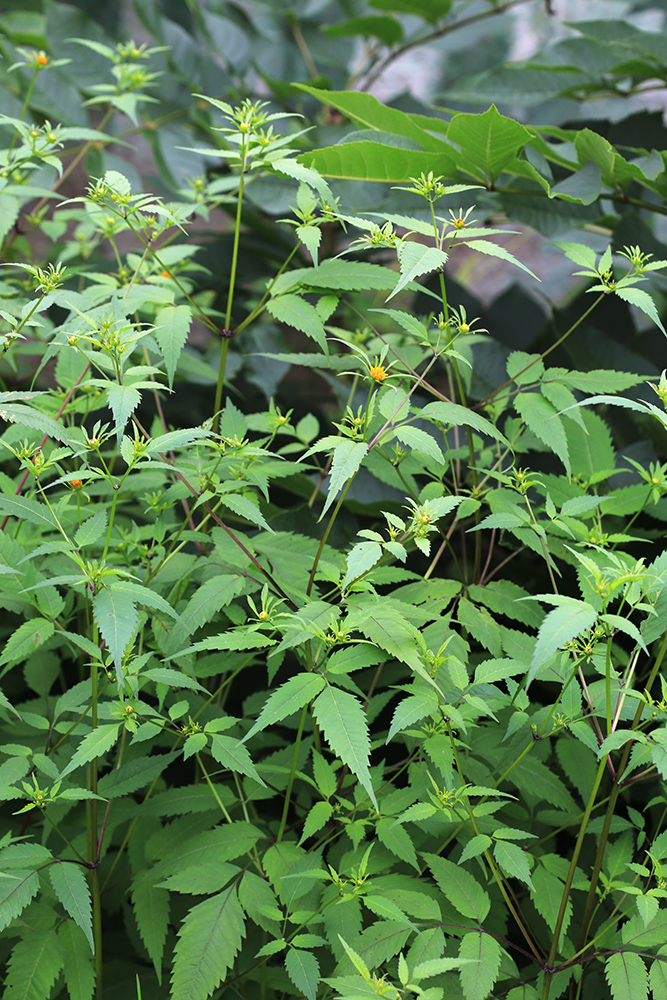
(226, 333)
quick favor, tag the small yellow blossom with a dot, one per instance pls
(377, 373)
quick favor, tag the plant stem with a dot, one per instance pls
(548, 975)
(543, 355)
(292, 774)
(94, 875)
(446, 29)
(489, 858)
(311, 578)
(611, 805)
(226, 333)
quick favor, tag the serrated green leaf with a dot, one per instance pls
(116, 617)
(229, 640)
(77, 962)
(151, 912)
(475, 846)
(642, 300)
(560, 625)
(295, 311)
(383, 625)
(133, 775)
(208, 941)
(347, 457)
(496, 250)
(318, 816)
(547, 894)
(542, 419)
(245, 508)
(26, 510)
(480, 972)
(71, 888)
(513, 861)
(26, 639)
(361, 557)
(292, 168)
(34, 965)
(304, 971)
(414, 260)
(647, 907)
(481, 625)
(397, 840)
(232, 754)
(91, 530)
(658, 976)
(173, 440)
(311, 237)
(287, 699)
(461, 889)
(413, 709)
(28, 416)
(339, 275)
(172, 325)
(418, 440)
(343, 723)
(384, 907)
(435, 967)
(172, 678)
(122, 401)
(15, 894)
(208, 598)
(625, 972)
(96, 743)
(455, 415)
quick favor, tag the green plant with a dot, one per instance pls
(286, 740)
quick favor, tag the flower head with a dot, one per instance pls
(377, 373)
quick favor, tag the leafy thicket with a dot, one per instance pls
(334, 615)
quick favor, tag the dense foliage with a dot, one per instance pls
(334, 595)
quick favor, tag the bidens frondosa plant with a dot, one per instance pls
(362, 703)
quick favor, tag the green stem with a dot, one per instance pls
(543, 545)
(543, 355)
(226, 333)
(548, 976)
(292, 774)
(94, 876)
(213, 789)
(26, 102)
(116, 490)
(607, 685)
(611, 805)
(260, 305)
(446, 29)
(318, 554)
(489, 857)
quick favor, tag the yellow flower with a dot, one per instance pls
(76, 484)
(377, 373)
